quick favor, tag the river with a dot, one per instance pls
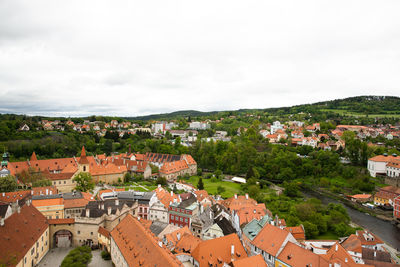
(385, 230)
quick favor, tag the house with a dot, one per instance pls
(171, 239)
(51, 206)
(181, 214)
(134, 245)
(338, 256)
(253, 261)
(353, 246)
(386, 195)
(24, 128)
(296, 256)
(196, 125)
(361, 198)
(25, 237)
(218, 251)
(75, 203)
(396, 208)
(103, 237)
(378, 165)
(298, 232)
(269, 242)
(369, 240)
(159, 204)
(187, 243)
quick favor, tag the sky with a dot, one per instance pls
(132, 58)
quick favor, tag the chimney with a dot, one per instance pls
(47, 191)
(235, 196)
(2, 222)
(4, 194)
(178, 236)
(232, 250)
(345, 260)
(201, 209)
(109, 210)
(247, 196)
(336, 248)
(19, 209)
(172, 193)
(117, 202)
(87, 212)
(159, 186)
(102, 206)
(375, 254)
(31, 192)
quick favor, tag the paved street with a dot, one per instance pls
(55, 256)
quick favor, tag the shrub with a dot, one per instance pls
(106, 255)
(80, 256)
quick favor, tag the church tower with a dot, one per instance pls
(83, 162)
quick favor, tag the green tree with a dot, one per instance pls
(161, 180)
(78, 257)
(84, 182)
(8, 184)
(200, 184)
(127, 177)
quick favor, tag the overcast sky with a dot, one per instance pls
(130, 58)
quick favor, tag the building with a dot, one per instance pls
(353, 246)
(75, 203)
(378, 165)
(269, 242)
(180, 214)
(143, 200)
(396, 208)
(361, 198)
(369, 240)
(293, 255)
(221, 251)
(253, 261)
(51, 206)
(386, 195)
(103, 236)
(25, 237)
(134, 245)
(197, 125)
(159, 204)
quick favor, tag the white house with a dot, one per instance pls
(378, 164)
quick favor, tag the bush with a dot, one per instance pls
(80, 256)
(106, 255)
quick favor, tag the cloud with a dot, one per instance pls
(133, 58)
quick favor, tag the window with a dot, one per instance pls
(42, 238)
(186, 220)
(32, 251)
(59, 182)
(84, 168)
(65, 182)
(79, 232)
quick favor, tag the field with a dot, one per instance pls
(211, 187)
(354, 114)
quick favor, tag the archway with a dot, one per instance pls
(62, 239)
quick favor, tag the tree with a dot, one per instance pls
(84, 182)
(127, 177)
(200, 184)
(161, 180)
(80, 256)
(8, 184)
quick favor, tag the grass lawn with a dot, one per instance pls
(349, 113)
(327, 236)
(211, 187)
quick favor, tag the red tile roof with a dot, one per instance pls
(270, 239)
(19, 233)
(12, 197)
(352, 243)
(296, 256)
(253, 261)
(103, 231)
(187, 243)
(61, 221)
(139, 246)
(47, 202)
(297, 232)
(218, 250)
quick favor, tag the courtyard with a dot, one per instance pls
(56, 255)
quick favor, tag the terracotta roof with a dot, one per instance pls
(103, 231)
(297, 232)
(236, 203)
(248, 213)
(83, 159)
(187, 243)
(47, 202)
(166, 197)
(253, 261)
(270, 239)
(75, 203)
(11, 197)
(33, 157)
(297, 256)
(218, 250)
(361, 196)
(352, 243)
(19, 233)
(58, 176)
(368, 238)
(61, 221)
(51, 190)
(139, 246)
(174, 166)
(382, 158)
(337, 254)
(173, 238)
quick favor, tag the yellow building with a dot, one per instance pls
(27, 235)
(51, 206)
(104, 238)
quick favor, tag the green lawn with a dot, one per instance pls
(349, 113)
(211, 187)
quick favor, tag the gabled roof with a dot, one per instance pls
(297, 256)
(139, 246)
(253, 261)
(352, 243)
(297, 232)
(19, 233)
(218, 250)
(187, 243)
(337, 254)
(103, 231)
(368, 238)
(270, 239)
